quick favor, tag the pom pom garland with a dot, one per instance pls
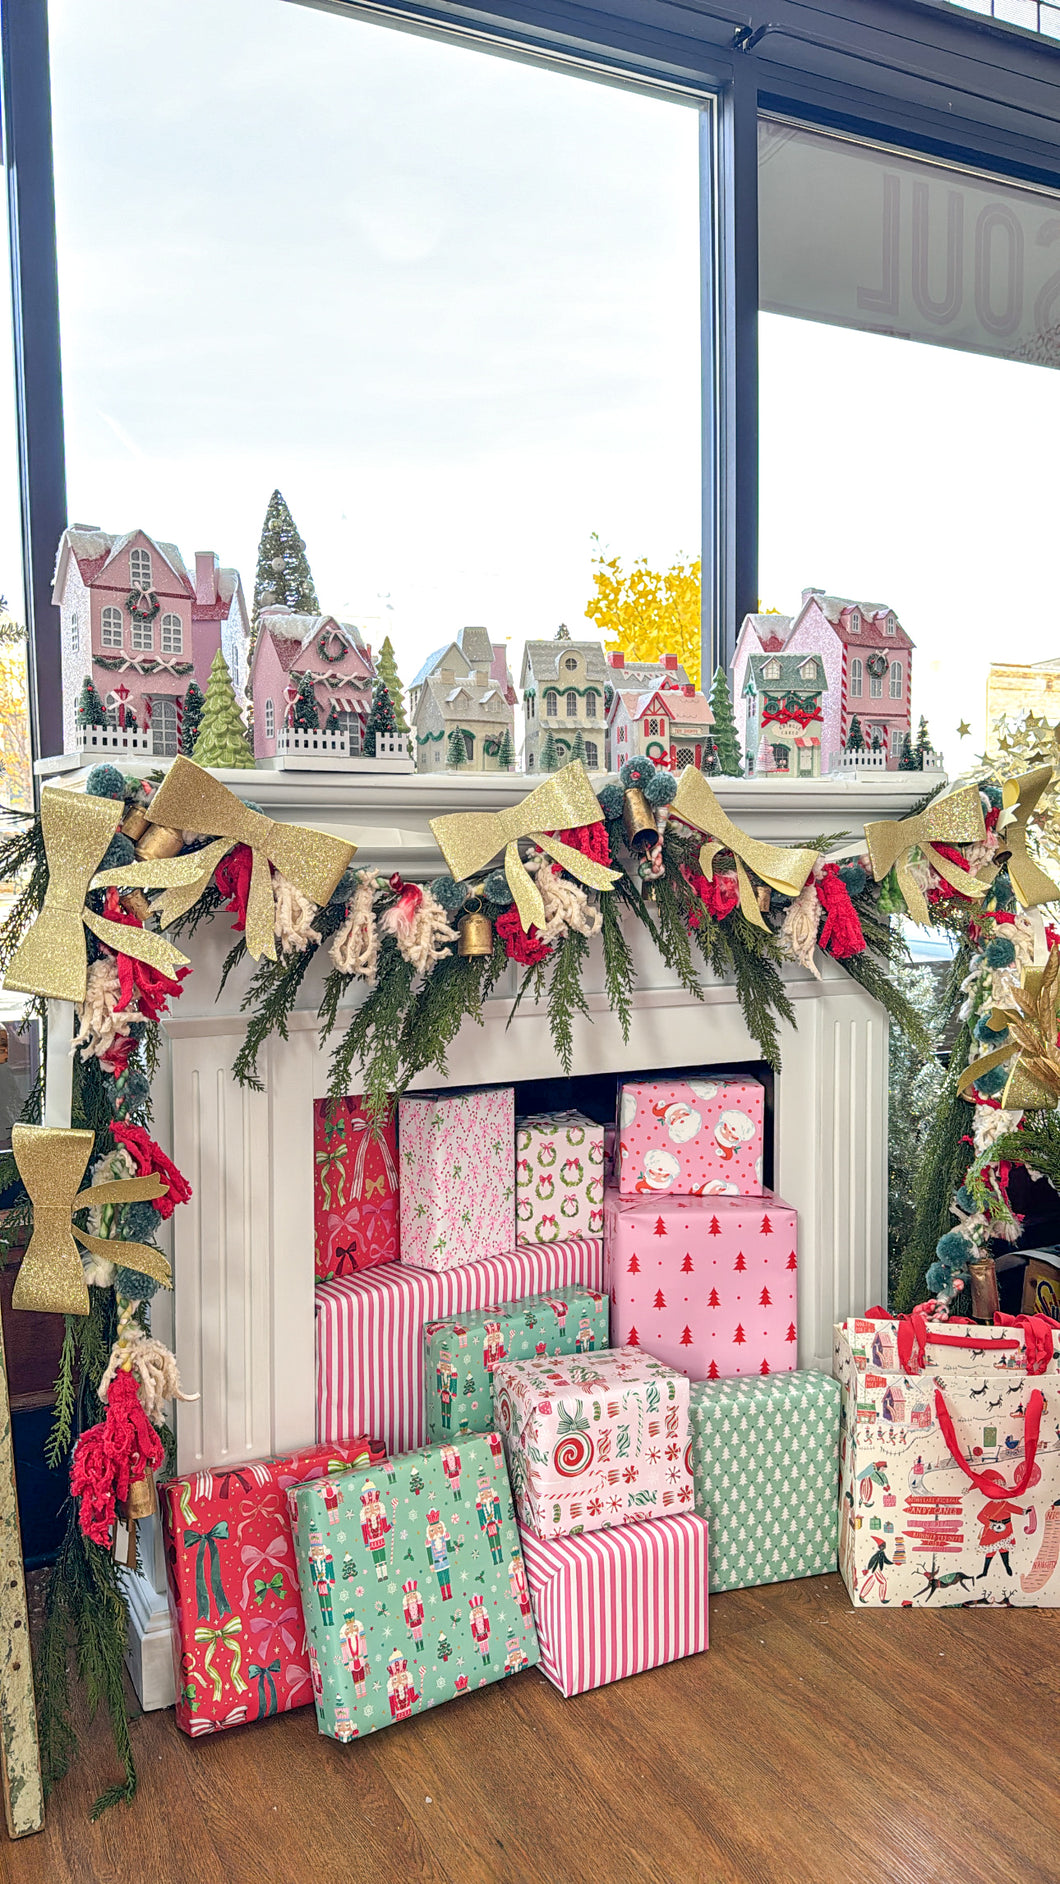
(105, 781)
(1000, 952)
(611, 798)
(992, 1083)
(451, 895)
(636, 772)
(119, 851)
(133, 1286)
(989, 1036)
(660, 789)
(854, 876)
(496, 890)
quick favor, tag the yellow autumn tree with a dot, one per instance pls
(16, 788)
(649, 612)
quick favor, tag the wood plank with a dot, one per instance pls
(19, 1752)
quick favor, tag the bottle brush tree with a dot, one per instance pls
(386, 666)
(283, 572)
(381, 719)
(191, 718)
(305, 714)
(855, 737)
(726, 739)
(89, 710)
(457, 749)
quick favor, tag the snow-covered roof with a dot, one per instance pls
(691, 709)
(542, 659)
(477, 703)
(430, 664)
(286, 625)
(790, 673)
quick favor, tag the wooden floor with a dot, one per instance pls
(812, 1745)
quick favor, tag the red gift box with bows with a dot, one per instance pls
(355, 1189)
(239, 1643)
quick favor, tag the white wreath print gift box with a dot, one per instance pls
(559, 1177)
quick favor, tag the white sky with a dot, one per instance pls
(450, 305)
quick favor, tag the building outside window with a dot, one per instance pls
(591, 704)
(143, 636)
(855, 678)
(875, 686)
(896, 680)
(270, 719)
(572, 706)
(592, 758)
(551, 704)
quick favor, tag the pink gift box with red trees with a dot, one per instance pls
(690, 1138)
(706, 1284)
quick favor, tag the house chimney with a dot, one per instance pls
(689, 691)
(205, 578)
(616, 659)
(669, 661)
(806, 594)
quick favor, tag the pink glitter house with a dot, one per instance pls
(333, 652)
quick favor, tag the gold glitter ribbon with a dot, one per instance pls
(469, 840)
(955, 819)
(52, 958)
(783, 868)
(1034, 1081)
(51, 1163)
(1019, 799)
(191, 799)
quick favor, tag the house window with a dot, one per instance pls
(140, 568)
(164, 727)
(808, 670)
(75, 631)
(875, 686)
(143, 635)
(592, 757)
(552, 703)
(888, 626)
(111, 628)
(855, 679)
(173, 635)
(590, 705)
(572, 705)
(652, 728)
(782, 757)
(528, 702)
(683, 756)
(896, 680)
(270, 719)
(529, 761)
(570, 665)
(772, 670)
(855, 623)
(349, 723)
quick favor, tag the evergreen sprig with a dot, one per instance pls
(372, 1038)
(620, 971)
(945, 1160)
(566, 996)
(269, 1000)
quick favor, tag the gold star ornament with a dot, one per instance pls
(963, 730)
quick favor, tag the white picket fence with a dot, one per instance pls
(312, 742)
(869, 761)
(111, 739)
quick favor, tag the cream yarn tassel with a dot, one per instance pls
(355, 948)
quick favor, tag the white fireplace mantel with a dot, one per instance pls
(243, 1305)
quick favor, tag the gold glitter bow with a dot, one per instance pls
(51, 1163)
(469, 840)
(778, 865)
(955, 819)
(190, 799)
(1019, 798)
(52, 958)
(1034, 1081)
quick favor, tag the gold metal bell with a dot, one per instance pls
(136, 823)
(475, 931)
(982, 1278)
(159, 841)
(135, 903)
(638, 821)
(142, 1501)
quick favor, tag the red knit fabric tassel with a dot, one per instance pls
(110, 1456)
(841, 935)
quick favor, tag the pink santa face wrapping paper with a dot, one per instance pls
(457, 1176)
(707, 1284)
(559, 1177)
(614, 1603)
(594, 1441)
(690, 1138)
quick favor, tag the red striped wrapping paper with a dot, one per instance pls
(369, 1330)
(613, 1603)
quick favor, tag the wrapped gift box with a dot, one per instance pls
(239, 1645)
(765, 1459)
(461, 1352)
(369, 1331)
(708, 1284)
(457, 1176)
(355, 1189)
(615, 1603)
(413, 1585)
(594, 1442)
(691, 1138)
(559, 1177)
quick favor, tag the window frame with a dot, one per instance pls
(857, 678)
(571, 704)
(107, 627)
(551, 703)
(166, 623)
(897, 673)
(137, 557)
(919, 76)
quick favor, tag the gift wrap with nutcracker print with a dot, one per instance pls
(369, 1330)
(594, 1442)
(461, 1353)
(708, 1284)
(765, 1460)
(457, 1161)
(413, 1585)
(355, 1189)
(950, 1478)
(690, 1138)
(239, 1647)
(614, 1603)
(559, 1177)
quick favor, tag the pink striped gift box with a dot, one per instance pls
(369, 1330)
(613, 1603)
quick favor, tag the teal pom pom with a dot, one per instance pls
(661, 790)
(251, 805)
(1002, 894)
(954, 1250)
(937, 1278)
(140, 1221)
(992, 794)
(990, 1084)
(637, 772)
(134, 1286)
(105, 781)
(611, 798)
(1000, 953)
(854, 876)
(496, 890)
(130, 1097)
(987, 1035)
(119, 851)
(452, 896)
(965, 1202)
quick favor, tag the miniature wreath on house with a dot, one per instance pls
(877, 665)
(331, 646)
(142, 604)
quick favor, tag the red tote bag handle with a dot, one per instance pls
(991, 1484)
(1038, 1333)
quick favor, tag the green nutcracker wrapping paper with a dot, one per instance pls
(413, 1585)
(765, 1459)
(559, 1177)
(461, 1352)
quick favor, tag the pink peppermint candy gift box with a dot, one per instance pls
(594, 1440)
(457, 1153)
(690, 1138)
(708, 1284)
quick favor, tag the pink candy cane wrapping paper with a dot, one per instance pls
(457, 1152)
(690, 1138)
(369, 1331)
(615, 1603)
(708, 1284)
